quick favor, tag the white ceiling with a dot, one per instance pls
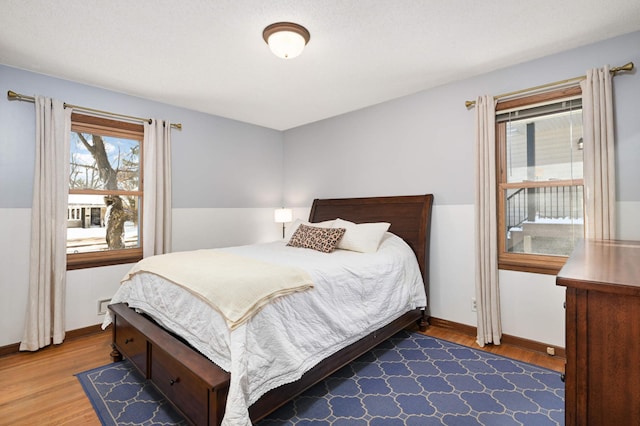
(209, 55)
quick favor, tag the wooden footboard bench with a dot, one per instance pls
(196, 386)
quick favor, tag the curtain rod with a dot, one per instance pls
(18, 97)
(626, 67)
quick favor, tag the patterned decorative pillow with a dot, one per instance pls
(321, 239)
(292, 228)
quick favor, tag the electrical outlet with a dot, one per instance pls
(551, 351)
(474, 305)
(102, 306)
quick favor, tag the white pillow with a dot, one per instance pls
(362, 237)
(294, 226)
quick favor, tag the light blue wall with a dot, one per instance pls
(424, 142)
(217, 162)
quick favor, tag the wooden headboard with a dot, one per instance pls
(409, 216)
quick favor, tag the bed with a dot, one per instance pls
(199, 388)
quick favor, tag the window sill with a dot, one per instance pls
(549, 265)
(106, 258)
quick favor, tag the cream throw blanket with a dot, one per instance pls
(236, 286)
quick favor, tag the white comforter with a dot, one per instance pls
(353, 295)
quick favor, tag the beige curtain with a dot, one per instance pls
(157, 188)
(45, 318)
(486, 265)
(599, 156)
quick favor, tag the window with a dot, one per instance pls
(539, 177)
(105, 192)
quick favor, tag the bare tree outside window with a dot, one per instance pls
(105, 191)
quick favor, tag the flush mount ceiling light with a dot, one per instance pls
(286, 39)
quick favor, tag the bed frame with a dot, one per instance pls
(198, 388)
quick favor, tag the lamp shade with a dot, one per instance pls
(286, 39)
(283, 215)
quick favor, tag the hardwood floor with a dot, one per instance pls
(509, 351)
(40, 388)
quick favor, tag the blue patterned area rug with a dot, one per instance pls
(120, 395)
(411, 379)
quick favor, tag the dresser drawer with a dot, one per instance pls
(188, 392)
(132, 344)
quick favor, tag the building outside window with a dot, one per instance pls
(540, 182)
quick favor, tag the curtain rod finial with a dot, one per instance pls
(12, 95)
(626, 67)
(469, 104)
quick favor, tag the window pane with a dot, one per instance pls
(104, 162)
(546, 220)
(544, 148)
(97, 223)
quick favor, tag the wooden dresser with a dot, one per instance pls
(602, 333)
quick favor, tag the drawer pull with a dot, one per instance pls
(128, 340)
(172, 381)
